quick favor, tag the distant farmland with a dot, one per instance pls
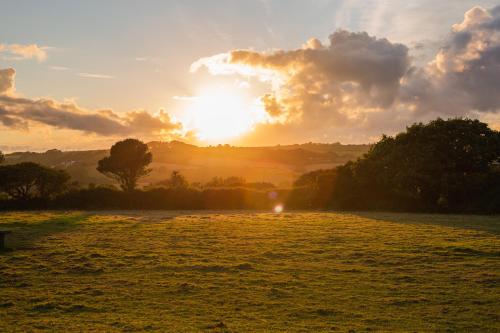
(246, 272)
(280, 165)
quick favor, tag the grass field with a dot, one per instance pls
(247, 272)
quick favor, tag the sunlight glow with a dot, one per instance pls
(219, 114)
(278, 208)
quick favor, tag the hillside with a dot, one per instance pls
(279, 165)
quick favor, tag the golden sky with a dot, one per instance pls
(246, 73)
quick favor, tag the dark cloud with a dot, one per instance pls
(465, 75)
(6, 80)
(353, 64)
(17, 112)
(7, 120)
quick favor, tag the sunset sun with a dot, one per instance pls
(219, 114)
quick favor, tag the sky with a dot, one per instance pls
(84, 74)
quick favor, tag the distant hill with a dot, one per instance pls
(280, 165)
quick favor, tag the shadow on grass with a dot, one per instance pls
(488, 223)
(26, 233)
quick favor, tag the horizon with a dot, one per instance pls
(6, 150)
(205, 74)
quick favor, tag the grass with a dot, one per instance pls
(247, 272)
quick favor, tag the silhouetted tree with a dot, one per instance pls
(2, 157)
(226, 182)
(26, 180)
(176, 181)
(52, 182)
(237, 182)
(442, 165)
(126, 163)
(312, 189)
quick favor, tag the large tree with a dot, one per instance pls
(27, 180)
(445, 164)
(126, 163)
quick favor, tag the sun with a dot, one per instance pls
(219, 114)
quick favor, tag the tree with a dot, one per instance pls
(312, 189)
(442, 165)
(176, 181)
(446, 165)
(2, 157)
(126, 163)
(27, 180)
(52, 182)
(226, 182)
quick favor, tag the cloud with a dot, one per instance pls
(355, 71)
(18, 112)
(465, 74)
(20, 52)
(185, 98)
(362, 85)
(59, 68)
(95, 76)
(6, 89)
(7, 80)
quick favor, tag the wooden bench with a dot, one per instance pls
(2, 238)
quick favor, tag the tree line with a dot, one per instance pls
(443, 166)
(32, 186)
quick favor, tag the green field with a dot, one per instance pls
(247, 272)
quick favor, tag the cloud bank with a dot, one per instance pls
(359, 84)
(17, 112)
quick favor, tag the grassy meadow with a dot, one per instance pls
(249, 271)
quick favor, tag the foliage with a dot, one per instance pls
(126, 163)
(312, 190)
(259, 186)
(2, 157)
(226, 182)
(27, 180)
(176, 181)
(237, 182)
(52, 182)
(445, 165)
(166, 198)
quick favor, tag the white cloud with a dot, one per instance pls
(95, 76)
(59, 68)
(20, 51)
